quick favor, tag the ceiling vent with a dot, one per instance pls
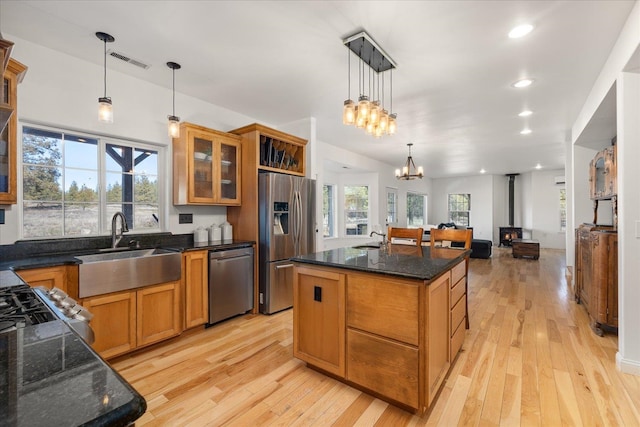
(559, 180)
(125, 58)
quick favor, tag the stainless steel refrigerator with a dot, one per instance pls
(287, 229)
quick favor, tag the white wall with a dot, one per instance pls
(628, 133)
(527, 197)
(61, 90)
(545, 209)
(481, 189)
(500, 206)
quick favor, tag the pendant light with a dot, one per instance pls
(174, 121)
(409, 170)
(105, 108)
(349, 109)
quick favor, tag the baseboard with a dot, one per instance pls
(627, 366)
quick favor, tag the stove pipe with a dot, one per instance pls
(512, 180)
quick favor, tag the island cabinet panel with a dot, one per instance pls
(383, 306)
(158, 314)
(196, 289)
(113, 323)
(382, 364)
(437, 334)
(319, 319)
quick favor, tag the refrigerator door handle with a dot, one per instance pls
(298, 220)
(279, 267)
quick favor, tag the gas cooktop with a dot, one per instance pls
(20, 307)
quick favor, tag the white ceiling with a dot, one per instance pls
(283, 61)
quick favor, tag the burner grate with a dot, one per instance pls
(20, 307)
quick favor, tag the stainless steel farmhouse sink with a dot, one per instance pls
(107, 272)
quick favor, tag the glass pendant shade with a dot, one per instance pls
(370, 128)
(378, 132)
(363, 108)
(174, 126)
(392, 127)
(349, 112)
(384, 121)
(374, 112)
(105, 110)
(360, 121)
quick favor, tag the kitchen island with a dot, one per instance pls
(389, 321)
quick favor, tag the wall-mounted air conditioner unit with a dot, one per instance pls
(559, 180)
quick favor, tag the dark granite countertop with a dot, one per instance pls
(49, 253)
(412, 262)
(50, 377)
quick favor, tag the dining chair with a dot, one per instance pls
(405, 233)
(449, 235)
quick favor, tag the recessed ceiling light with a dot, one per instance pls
(522, 83)
(482, 171)
(525, 113)
(538, 166)
(520, 31)
(525, 131)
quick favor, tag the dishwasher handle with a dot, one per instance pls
(230, 253)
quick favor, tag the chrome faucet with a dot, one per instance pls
(114, 237)
(384, 237)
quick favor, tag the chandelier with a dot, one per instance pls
(409, 170)
(370, 112)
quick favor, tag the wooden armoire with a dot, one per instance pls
(596, 256)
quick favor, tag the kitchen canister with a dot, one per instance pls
(200, 235)
(215, 233)
(227, 231)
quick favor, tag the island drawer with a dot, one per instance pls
(457, 291)
(456, 340)
(380, 364)
(384, 307)
(457, 315)
(459, 271)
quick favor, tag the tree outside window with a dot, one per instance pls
(416, 210)
(392, 206)
(356, 210)
(62, 185)
(459, 208)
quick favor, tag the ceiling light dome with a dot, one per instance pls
(523, 83)
(520, 31)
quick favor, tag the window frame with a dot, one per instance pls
(332, 213)
(562, 210)
(103, 224)
(393, 215)
(467, 211)
(346, 211)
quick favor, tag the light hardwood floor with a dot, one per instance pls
(529, 358)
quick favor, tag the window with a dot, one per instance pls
(416, 210)
(563, 209)
(459, 207)
(356, 210)
(392, 206)
(73, 184)
(328, 210)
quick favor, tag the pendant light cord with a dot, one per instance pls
(105, 68)
(174, 91)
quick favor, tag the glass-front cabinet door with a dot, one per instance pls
(229, 168)
(201, 162)
(8, 185)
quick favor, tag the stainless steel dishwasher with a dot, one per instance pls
(230, 283)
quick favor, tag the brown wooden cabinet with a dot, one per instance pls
(113, 322)
(158, 313)
(206, 167)
(48, 277)
(125, 321)
(392, 336)
(8, 138)
(319, 321)
(597, 274)
(196, 288)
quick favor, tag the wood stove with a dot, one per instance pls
(507, 234)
